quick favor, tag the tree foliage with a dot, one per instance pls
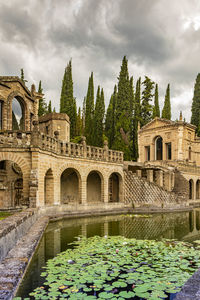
(89, 111)
(49, 107)
(98, 119)
(42, 108)
(110, 121)
(146, 107)
(156, 108)
(195, 118)
(67, 100)
(166, 112)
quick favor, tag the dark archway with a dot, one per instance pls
(18, 114)
(191, 189)
(159, 148)
(198, 189)
(114, 187)
(70, 186)
(49, 188)
(94, 187)
(11, 185)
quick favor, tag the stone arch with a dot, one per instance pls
(158, 141)
(191, 189)
(17, 95)
(95, 186)
(25, 166)
(198, 189)
(70, 186)
(49, 187)
(115, 188)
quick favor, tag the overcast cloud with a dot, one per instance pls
(160, 38)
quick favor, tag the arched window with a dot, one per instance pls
(159, 148)
(191, 189)
(18, 119)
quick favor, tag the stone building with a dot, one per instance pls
(40, 167)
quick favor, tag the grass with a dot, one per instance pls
(4, 214)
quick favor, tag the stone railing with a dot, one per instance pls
(15, 139)
(12, 139)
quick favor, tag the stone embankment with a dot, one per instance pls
(14, 265)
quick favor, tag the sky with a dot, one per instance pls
(160, 38)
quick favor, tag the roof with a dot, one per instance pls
(54, 116)
(4, 79)
(160, 122)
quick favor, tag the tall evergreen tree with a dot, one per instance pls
(89, 111)
(98, 119)
(146, 107)
(136, 120)
(123, 113)
(110, 121)
(49, 107)
(67, 100)
(166, 112)
(156, 109)
(22, 76)
(195, 118)
(79, 123)
(42, 108)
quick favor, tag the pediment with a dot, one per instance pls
(157, 122)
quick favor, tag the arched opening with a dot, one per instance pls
(190, 153)
(191, 189)
(11, 185)
(70, 186)
(114, 187)
(18, 120)
(197, 220)
(94, 189)
(49, 188)
(159, 148)
(198, 189)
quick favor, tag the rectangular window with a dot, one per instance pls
(1, 122)
(147, 153)
(169, 151)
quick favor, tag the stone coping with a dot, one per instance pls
(191, 289)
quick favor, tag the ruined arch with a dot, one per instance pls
(115, 187)
(24, 117)
(18, 114)
(94, 187)
(158, 148)
(49, 187)
(191, 189)
(70, 182)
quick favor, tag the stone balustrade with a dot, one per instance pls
(53, 144)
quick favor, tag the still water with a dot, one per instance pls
(183, 226)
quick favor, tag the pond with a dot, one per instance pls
(184, 226)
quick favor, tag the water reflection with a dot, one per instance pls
(59, 235)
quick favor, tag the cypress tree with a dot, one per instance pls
(195, 118)
(111, 119)
(146, 107)
(67, 100)
(42, 109)
(89, 111)
(156, 109)
(166, 112)
(98, 119)
(54, 109)
(123, 114)
(136, 119)
(79, 123)
(22, 76)
(49, 107)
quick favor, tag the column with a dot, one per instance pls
(84, 191)
(159, 175)
(105, 190)
(150, 175)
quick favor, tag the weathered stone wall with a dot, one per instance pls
(141, 192)
(13, 228)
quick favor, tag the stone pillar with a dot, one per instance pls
(139, 173)
(180, 143)
(84, 146)
(159, 175)
(195, 190)
(168, 181)
(105, 190)
(35, 135)
(150, 175)
(84, 191)
(33, 188)
(105, 148)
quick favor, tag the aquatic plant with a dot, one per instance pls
(118, 268)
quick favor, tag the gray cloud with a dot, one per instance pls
(160, 40)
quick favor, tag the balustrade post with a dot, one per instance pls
(105, 148)
(83, 142)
